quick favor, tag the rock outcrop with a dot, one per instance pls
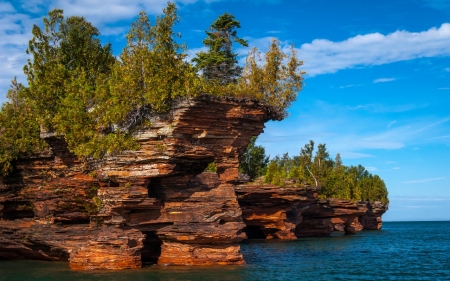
(288, 213)
(145, 206)
(156, 205)
(272, 212)
(371, 220)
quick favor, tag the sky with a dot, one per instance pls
(377, 88)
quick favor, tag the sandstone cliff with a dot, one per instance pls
(149, 205)
(155, 205)
(288, 213)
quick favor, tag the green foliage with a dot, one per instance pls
(211, 168)
(253, 161)
(333, 178)
(277, 81)
(219, 63)
(19, 133)
(78, 90)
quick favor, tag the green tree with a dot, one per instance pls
(253, 161)
(19, 133)
(150, 74)
(65, 49)
(219, 63)
(276, 81)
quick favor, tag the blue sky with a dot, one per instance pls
(377, 87)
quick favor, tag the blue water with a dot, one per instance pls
(400, 251)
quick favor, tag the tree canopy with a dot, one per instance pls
(334, 179)
(79, 91)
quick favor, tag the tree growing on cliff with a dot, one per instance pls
(19, 133)
(219, 63)
(276, 81)
(79, 91)
(64, 50)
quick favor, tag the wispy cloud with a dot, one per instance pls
(350, 86)
(382, 108)
(396, 168)
(447, 69)
(440, 137)
(383, 80)
(324, 56)
(391, 123)
(424, 180)
(445, 88)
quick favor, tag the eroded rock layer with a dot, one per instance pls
(145, 206)
(272, 212)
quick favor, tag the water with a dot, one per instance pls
(401, 251)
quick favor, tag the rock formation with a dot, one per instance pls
(155, 205)
(287, 213)
(149, 205)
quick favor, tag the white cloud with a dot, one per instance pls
(354, 155)
(324, 56)
(392, 123)
(350, 86)
(383, 80)
(6, 7)
(424, 180)
(381, 108)
(447, 69)
(396, 168)
(100, 13)
(445, 88)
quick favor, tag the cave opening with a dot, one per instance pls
(155, 188)
(254, 232)
(13, 210)
(152, 248)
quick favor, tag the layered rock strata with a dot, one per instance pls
(152, 205)
(271, 212)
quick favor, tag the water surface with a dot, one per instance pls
(400, 251)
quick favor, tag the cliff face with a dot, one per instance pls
(272, 212)
(150, 205)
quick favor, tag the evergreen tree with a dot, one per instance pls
(19, 131)
(65, 49)
(219, 63)
(253, 161)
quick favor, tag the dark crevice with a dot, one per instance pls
(254, 232)
(152, 248)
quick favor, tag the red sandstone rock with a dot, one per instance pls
(371, 220)
(155, 204)
(138, 206)
(273, 212)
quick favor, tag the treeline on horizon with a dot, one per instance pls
(80, 91)
(315, 168)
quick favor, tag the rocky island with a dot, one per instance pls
(103, 160)
(155, 204)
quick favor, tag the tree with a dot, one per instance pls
(277, 81)
(306, 158)
(254, 160)
(65, 49)
(19, 131)
(219, 64)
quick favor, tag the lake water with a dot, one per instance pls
(400, 251)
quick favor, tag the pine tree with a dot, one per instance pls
(219, 63)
